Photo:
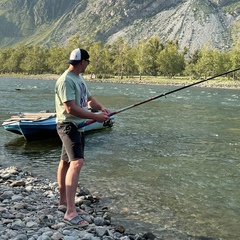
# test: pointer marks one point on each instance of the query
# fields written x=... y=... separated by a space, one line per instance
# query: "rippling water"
x=170 y=166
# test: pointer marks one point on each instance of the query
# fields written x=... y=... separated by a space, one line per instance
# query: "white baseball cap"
x=78 y=55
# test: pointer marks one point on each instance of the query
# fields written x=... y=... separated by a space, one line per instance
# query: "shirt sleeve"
x=66 y=91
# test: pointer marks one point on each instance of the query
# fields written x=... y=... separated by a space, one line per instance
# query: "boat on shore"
x=42 y=125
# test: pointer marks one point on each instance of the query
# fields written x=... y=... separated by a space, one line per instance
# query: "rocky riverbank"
x=29 y=211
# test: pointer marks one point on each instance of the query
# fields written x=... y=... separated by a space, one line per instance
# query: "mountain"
x=192 y=22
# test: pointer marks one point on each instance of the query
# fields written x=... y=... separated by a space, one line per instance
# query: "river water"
x=170 y=166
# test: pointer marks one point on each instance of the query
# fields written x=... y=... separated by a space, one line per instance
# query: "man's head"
x=78 y=55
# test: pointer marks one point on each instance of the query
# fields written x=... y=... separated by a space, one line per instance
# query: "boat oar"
x=161 y=95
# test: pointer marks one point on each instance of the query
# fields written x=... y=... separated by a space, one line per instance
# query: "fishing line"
x=159 y=96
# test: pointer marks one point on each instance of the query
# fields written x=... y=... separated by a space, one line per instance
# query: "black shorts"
x=73 y=141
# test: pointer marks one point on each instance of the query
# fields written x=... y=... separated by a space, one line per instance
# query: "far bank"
x=218 y=82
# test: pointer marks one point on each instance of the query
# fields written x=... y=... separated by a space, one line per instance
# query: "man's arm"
x=95 y=105
x=72 y=109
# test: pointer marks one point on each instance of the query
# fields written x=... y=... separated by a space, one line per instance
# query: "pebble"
x=29 y=211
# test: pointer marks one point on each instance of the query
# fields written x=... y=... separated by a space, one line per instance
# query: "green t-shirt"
x=68 y=87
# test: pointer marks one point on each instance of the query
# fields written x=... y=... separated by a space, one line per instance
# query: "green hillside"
x=48 y=22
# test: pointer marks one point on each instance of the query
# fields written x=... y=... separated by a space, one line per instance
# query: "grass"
x=219 y=82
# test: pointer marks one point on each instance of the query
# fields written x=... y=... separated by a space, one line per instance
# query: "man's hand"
x=105 y=111
x=101 y=117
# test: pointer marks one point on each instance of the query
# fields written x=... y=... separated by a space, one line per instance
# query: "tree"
x=170 y=61
x=97 y=58
x=4 y=58
x=153 y=48
x=16 y=58
x=234 y=57
x=130 y=66
x=107 y=67
x=35 y=60
x=57 y=59
x=210 y=63
x=120 y=56
x=190 y=65
x=140 y=58
x=74 y=42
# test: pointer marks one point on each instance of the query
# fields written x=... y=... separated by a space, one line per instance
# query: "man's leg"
x=69 y=169
x=71 y=184
x=61 y=178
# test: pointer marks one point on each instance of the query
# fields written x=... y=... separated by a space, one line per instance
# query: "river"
x=169 y=166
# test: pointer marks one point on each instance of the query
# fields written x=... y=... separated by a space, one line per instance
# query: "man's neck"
x=74 y=70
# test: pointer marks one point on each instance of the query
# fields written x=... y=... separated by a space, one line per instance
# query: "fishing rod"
x=159 y=96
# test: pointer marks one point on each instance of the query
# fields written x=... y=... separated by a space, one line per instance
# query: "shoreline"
x=213 y=83
x=29 y=210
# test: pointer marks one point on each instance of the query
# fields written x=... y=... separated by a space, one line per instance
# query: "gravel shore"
x=29 y=211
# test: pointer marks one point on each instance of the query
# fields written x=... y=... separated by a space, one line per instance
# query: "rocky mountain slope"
x=192 y=22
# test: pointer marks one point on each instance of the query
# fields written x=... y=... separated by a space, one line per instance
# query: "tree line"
x=148 y=57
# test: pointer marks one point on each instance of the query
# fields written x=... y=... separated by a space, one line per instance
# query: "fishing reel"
x=108 y=123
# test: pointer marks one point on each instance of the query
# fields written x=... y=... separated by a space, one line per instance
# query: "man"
x=72 y=99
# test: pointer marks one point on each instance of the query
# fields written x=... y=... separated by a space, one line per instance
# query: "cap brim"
x=73 y=61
